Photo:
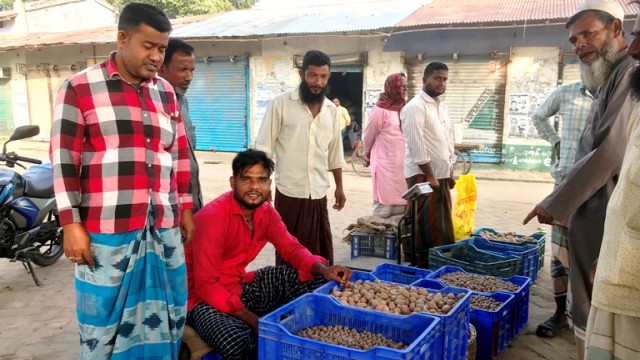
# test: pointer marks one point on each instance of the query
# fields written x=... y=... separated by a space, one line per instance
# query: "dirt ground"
x=39 y=322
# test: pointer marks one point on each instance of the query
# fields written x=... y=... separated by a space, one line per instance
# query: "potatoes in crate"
x=394 y=298
x=344 y=336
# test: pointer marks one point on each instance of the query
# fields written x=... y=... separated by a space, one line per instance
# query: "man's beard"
x=309 y=97
x=248 y=205
x=596 y=74
x=635 y=83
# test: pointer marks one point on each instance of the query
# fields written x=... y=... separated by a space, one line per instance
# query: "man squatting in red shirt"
x=225 y=301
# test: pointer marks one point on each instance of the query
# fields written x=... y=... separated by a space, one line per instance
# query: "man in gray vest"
x=177 y=69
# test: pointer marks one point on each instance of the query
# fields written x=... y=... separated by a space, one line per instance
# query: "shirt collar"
x=428 y=98
x=112 y=70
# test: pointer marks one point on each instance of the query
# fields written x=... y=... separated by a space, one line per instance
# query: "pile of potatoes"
x=344 y=336
x=506 y=237
x=484 y=303
x=394 y=298
x=475 y=282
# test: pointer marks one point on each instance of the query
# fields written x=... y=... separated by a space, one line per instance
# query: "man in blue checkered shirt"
x=572 y=103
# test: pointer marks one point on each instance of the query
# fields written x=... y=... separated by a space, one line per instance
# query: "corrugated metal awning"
x=475 y=12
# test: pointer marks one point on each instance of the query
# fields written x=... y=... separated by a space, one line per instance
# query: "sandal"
x=552 y=326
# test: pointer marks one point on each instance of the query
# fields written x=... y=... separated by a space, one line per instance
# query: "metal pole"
x=414 y=228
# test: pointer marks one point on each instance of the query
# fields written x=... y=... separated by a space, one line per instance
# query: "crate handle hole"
x=285 y=316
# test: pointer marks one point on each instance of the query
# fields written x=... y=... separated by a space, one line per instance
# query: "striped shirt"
x=428 y=136
x=116 y=148
x=573 y=103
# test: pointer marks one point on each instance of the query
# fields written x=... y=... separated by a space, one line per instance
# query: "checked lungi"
x=232 y=338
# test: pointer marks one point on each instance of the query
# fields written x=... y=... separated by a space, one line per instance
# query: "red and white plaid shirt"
x=116 y=149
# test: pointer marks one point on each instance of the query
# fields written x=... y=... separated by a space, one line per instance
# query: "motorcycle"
x=30 y=229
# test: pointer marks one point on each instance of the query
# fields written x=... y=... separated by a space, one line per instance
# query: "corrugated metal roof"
x=102 y=35
x=360 y=16
x=448 y=12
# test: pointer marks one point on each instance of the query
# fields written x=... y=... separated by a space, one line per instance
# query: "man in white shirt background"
x=302 y=127
x=429 y=157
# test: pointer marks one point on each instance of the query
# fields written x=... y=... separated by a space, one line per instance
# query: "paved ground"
x=39 y=322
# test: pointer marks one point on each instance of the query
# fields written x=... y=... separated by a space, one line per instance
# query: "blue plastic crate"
x=399 y=274
x=211 y=356
x=454 y=324
x=520 y=310
x=373 y=245
x=277 y=331
x=528 y=254
x=540 y=240
x=473 y=260
x=493 y=328
x=355 y=276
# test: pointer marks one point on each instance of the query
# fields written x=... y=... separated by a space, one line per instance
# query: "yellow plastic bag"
x=464 y=208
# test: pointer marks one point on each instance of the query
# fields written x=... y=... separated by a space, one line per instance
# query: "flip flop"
x=552 y=326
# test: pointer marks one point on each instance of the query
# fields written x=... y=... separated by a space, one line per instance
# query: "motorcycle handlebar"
x=13 y=157
x=26 y=159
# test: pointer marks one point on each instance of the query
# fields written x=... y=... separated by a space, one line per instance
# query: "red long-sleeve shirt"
x=223 y=246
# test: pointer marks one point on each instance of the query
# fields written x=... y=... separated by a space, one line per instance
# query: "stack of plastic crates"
x=471 y=259
x=528 y=254
x=520 y=310
x=539 y=240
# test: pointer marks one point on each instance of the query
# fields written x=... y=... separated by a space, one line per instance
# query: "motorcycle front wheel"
x=51 y=250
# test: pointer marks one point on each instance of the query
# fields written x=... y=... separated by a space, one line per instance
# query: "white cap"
x=611 y=7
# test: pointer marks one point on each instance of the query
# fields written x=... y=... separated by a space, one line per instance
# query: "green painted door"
x=6 y=109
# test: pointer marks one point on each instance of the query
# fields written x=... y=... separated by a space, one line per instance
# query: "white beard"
x=596 y=74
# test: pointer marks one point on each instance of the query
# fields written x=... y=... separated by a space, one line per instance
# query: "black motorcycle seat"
x=38 y=181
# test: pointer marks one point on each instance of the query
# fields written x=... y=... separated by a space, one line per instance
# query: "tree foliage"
x=181 y=8
x=6 y=5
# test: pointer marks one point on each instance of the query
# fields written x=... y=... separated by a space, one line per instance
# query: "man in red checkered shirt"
x=121 y=176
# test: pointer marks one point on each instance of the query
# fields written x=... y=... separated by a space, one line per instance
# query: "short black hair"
x=251 y=157
x=433 y=67
x=176 y=44
x=605 y=18
x=135 y=14
x=315 y=58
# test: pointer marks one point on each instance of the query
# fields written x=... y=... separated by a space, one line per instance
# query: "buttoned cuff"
x=69 y=216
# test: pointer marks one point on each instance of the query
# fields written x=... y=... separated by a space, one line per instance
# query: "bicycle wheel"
x=460 y=167
x=358 y=166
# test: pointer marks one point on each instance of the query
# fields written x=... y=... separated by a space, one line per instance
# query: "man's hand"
x=337 y=273
x=433 y=182
x=249 y=318
x=556 y=151
x=187 y=227
x=452 y=182
x=77 y=245
x=341 y=199
x=543 y=216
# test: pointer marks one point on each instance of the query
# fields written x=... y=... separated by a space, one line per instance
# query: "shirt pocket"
x=167 y=126
x=324 y=134
x=627 y=266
